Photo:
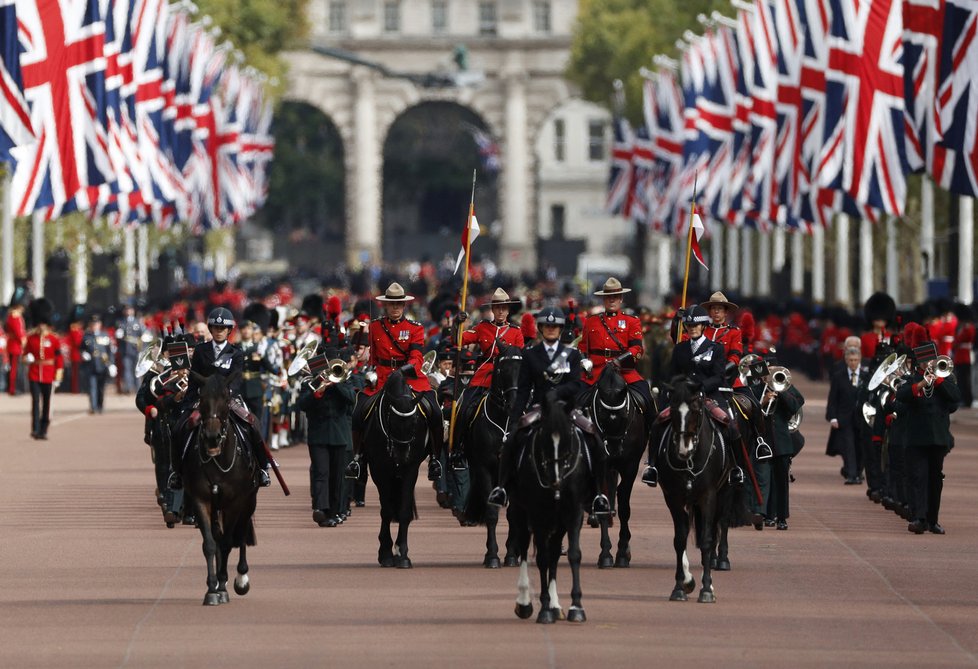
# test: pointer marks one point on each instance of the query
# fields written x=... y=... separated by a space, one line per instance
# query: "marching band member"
x=396 y=342
x=783 y=406
x=98 y=355
x=42 y=352
x=487 y=334
x=929 y=400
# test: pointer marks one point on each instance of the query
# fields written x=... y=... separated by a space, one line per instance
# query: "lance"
x=458 y=342
x=689 y=252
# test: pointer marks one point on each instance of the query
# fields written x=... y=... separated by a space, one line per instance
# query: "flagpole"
x=689 y=252
x=458 y=343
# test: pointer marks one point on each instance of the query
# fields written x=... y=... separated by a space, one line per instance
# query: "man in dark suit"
x=842 y=413
x=219 y=356
x=548 y=367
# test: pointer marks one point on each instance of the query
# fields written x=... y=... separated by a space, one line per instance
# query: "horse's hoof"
x=386 y=560
x=404 y=563
x=678 y=595
x=171 y=525
x=723 y=565
x=576 y=615
x=524 y=611
x=224 y=597
x=511 y=561
x=212 y=599
x=623 y=561
x=605 y=562
x=546 y=617
x=559 y=614
x=491 y=562
x=707 y=597
x=241 y=585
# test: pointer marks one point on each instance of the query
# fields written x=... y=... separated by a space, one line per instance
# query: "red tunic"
x=870 y=340
x=16 y=333
x=46 y=350
x=387 y=355
x=731 y=337
x=949 y=326
x=598 y=345
x=963 y=343
x=76 y=333
x=485 y=334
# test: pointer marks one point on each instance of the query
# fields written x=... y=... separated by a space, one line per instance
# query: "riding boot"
x=498 y=496
x=436 y=432
x=353 y=467
x=600 y=506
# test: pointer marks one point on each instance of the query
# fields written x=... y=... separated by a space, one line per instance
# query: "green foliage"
x=614 y=38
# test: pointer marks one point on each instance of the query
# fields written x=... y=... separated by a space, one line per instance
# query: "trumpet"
x=942 y=367
x=777 y=380
x=337 y=372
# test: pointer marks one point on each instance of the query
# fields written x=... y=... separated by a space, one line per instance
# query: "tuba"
x=429 y=362
x=149 y=358
x=778 y=379
x=301 y=359
x=795 y=421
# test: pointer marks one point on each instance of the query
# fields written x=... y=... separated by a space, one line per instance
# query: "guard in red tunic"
x=396 y=343
x=43 y=355
x=16 y=337
x=880 y=312
x=614 y=337
x=962 y=352
x=486 y=334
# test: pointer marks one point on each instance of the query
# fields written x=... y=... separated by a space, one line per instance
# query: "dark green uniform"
x=329 y=416
x=786 y=405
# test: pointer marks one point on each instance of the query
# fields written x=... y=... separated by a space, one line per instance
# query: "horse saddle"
x=577 y=417
x=716 y=412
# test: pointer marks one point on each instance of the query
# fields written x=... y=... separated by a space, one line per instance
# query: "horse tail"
x=250 y=537
x=475 y=505
x=734 y=505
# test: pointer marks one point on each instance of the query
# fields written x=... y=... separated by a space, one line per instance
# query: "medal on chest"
x=403 y=335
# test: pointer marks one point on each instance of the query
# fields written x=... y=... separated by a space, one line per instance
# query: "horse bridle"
x=220 y=439
x=498 y=396
x=689 y=467
x=578 y=442
x=626 y=404
x=392 y=440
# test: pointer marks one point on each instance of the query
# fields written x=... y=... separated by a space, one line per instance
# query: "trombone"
x=336 y=372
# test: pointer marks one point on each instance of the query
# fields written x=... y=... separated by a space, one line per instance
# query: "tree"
x=614 y=38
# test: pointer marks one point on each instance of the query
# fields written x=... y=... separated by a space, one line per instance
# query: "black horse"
x=484 y=436
x=694 y=464
x=620 y=421
x=552 y=486
x=394 y=439
x=218 y=474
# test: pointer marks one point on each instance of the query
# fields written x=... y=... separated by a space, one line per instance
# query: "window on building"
x=337 y=16
x=556 y=221
x=487 y=18
x=541 y=16
x=439 y=16
x=596 y=140
x=560 y=140
x=392 y=16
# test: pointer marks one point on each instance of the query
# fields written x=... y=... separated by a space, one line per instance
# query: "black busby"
x=880 y=307
x=40 y=310
x=257 y=313
x=312 y=306
x=77 y=314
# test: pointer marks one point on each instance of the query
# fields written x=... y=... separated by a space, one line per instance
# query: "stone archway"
x=428 y=157
x=306 y=206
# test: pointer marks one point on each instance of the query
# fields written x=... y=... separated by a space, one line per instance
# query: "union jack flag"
x=620 y=177
x=741 y=149
x=662 y=104
x=716 y=113
x=790 y=109
x=63 y=69
x=696 y=144
x=761 y=185
x=15 y=119
x=956 y=117
x=864 y=103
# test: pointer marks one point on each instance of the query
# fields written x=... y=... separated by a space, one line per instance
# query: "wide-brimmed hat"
x=612 y=287
x=719 y=299
x=394 y=293
x=501 y=298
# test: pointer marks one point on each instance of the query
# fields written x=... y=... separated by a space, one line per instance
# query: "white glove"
x=29 y=358
x=834 y=423
x=113 y=370
x=86 y=355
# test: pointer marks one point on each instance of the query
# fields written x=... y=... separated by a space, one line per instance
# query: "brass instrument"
x=743 y=367
x=942 y=367
x=430 y=358
x=301 y=359
x=337 y=372
x=149 y=358
x=795 y=421
x=778 y=380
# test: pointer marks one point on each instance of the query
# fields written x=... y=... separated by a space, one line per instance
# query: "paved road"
x=90 y=577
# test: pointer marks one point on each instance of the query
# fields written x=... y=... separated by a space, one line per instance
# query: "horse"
x=395 y=439
x=618 y=417
x=694 y=465
x=485 y=433
x=218 y=473
x=552 y=486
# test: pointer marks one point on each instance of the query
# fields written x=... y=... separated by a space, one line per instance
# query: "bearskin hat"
x=879 y=307
x=312 y=305
x=257 y=313
x=334 y=306
x=528 y=326
x=747 y=325
x=40 y=310
x=273 y=319
x=964 y=313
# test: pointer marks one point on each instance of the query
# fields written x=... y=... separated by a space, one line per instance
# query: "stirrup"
x=497 y=497
x=353 y=469
x=174 y=482
x=434 y=469
x=650 y=476
x=600 y=506
x=263 y=479
x=763 y=451
x=736 y=476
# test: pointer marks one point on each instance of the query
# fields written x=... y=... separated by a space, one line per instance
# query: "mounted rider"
x=702 y=360
x=549 y=367
x=396 y=343
x=720 y=331
x=219 y=356
x=612 y=337
x=488 y=333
